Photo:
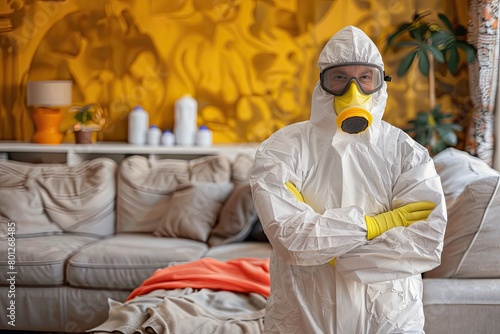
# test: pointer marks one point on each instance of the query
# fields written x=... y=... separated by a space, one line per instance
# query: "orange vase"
x=47 y=121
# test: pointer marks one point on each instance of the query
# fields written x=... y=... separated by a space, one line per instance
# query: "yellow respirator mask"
x=353 y=110
x=353 y=84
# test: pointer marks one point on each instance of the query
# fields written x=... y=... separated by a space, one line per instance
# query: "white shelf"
x=75 y=153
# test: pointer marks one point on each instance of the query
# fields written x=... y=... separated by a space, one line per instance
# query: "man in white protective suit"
x=352 y=206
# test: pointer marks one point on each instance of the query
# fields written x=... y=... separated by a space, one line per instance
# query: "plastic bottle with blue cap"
x=154 y=136
x=138 y=122
x=168 y=138
x=204 y=137
x=186 y=111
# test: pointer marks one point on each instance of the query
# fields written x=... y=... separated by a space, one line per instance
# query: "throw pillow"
x=192 y=210
x=236 y=218
x=471 y=187
x=145 y=187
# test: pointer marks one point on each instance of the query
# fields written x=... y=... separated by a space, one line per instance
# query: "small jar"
x=168 y=138
x=154 y=136
x=204 y=137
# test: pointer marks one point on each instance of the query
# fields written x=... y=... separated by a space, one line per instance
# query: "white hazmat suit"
x=374 y=286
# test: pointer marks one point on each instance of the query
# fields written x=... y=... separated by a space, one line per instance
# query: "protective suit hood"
x=348 y=45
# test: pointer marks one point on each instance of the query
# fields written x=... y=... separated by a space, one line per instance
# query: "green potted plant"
x=431 y=42
x=89 y=118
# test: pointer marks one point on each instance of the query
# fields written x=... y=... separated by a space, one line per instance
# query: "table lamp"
x=47 y=97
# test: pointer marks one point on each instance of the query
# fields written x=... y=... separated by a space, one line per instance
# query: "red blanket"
x=239 y=275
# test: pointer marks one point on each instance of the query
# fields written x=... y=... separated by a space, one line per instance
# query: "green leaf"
x=447 y=135
x=423 y=62
x=442 y=117
x=470 y=50
x=453 y=61
x=438 y=55
x=421 y=138
x=402 y=28
x=436 y=110
x=419 y=32
x=83 y=114
x=416 y=17
x=406 y=63
x=408 y=43
x=451 y=126
x=422 y=118
x=430 y=136
x=419 y=16
x=441 y=39
x=446 y=21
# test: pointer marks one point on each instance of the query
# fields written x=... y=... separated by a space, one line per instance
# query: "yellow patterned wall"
x=251 y=64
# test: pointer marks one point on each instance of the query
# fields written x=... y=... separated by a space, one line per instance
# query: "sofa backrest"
x=56 y=198
x=206 y=199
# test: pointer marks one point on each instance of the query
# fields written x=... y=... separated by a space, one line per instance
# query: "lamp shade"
x=49 y=93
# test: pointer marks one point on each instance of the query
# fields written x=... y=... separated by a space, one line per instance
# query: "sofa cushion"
x=81 y=198
x=461 y=305
x=241 y=168
x=41 y=260
x=50 y=198
x=124 y=260
x=145 y=187
x=215 y=169
x=471 y=242
x=192 y=211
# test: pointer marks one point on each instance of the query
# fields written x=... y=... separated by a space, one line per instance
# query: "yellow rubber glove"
x=402 y=216
x=290 y=186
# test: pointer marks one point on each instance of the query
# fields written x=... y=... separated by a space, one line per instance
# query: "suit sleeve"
x=298 y=234
x=402 y=252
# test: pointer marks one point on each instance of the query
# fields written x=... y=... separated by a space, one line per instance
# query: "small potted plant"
x=89 y=118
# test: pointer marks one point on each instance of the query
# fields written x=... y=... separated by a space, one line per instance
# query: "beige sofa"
x=85 y=233
x=96 y=230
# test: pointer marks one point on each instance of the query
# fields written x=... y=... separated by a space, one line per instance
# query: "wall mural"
x=251 y=65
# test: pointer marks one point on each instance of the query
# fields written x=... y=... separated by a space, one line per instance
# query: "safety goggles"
x=368 y=77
